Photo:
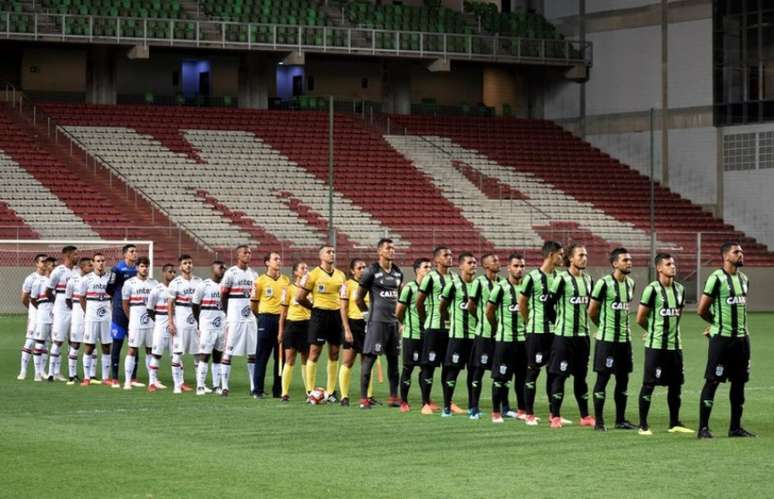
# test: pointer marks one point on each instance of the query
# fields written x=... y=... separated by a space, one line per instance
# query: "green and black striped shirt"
x=615 y=300
x=536 y=287
x=571 y=295
x=432 y=286
x=665 y=306
x=505 y=297
x=412 y=329
x=457 y=293
x=482 y=289
x=729 y=303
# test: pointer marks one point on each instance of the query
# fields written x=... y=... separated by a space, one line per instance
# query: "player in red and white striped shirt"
x=73 y=302
x=209 y=314
x=60 y=330
x=26 y=295
x=158 y=312
x=134 y=298
x=182 y=323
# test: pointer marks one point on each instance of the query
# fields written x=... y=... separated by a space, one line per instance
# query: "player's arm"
x=225 y=290
x=114 y=280
x=447 y=295
x=25 y=299
x=82 y=299
x=302 y=296
x=69 y=294
x=52 y=286
x=171 y=328
x=424 y=288
x=704 y=310
x=150 y=305
x=196 y=301
x=34 y=297
x=403 y=302
x=523 y=299
x=473 y=299
x=642 y=315
x=595 y=303
x=343 y=306
x=491 y=307
x=647 y=303
x=366 y=281
x=126 y=294
x=284 y=307
x=255 y=300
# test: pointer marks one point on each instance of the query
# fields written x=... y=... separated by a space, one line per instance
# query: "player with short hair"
x=134 y=301
x=236 y=289
x=266 y=306
x=293 y=330
x=26 y=294
x=44 y=318
x=158 y=312
x=406 y=312
x=483 y=343
x=95 y=302
x=121 y=272
x=208 y=311
x=73 y=302
x=436 y=331
x=661 y=307
x=354 y=327
x=571 y=346
x=457 y=295
x=536 y=309
x=724 y=306
x=60 y=328
x=381 y=281
x=609 y=310
x=510 y=354
x=182 y=323
x=323 y=283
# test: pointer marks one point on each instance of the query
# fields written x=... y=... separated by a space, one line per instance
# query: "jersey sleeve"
x=476 y=290
x=150 y=304
x=69 y=289
x=528 y=284
x=308 y=281
x=227 y=282
x=285 y=297
x=448 y=291
x=556 y=287
x=344 y=291
x=405 y=295
x=712 y=286
x=368 y=278
x=126 y=292
x=84 y=286
x=599 y=291
x=257 y=289
x=56 y=275
x=171 y=291
x=495 y=295
x=198 y=295
x=648 y=298
x=426 y=284
x=27 y=285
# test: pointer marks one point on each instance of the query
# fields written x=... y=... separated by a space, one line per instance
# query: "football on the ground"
x=317 y=396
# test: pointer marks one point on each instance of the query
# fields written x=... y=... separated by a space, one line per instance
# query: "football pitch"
x=70 y=441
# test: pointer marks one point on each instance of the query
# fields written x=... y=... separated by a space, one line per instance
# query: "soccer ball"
x=317 y=396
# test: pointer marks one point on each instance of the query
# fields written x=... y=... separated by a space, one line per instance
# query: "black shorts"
x=570 y=356
x=520 y=358
x=295 y=336
x=412 y=352
x=504 y=360
x=357 y=326
x=663 y=367
x=325 y=326
x=458 y=352
x=538 y=349
x=434 y=343
x=382 y=338
x=483 y=352
x=728 y=359
x=613 y=357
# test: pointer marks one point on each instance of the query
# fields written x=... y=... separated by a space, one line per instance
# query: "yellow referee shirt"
x=324 y=287
x=349 y=293
x=268 y=293
x=296 y=312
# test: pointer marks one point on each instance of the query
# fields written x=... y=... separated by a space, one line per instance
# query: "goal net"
x=17 y=261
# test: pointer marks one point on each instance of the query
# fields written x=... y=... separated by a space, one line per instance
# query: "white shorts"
x=31 y=323
x=76 y=330
x=186 y=340
x=241 y=338
x=42 y=331
x=141 y=338
x=211 y=339
x=61 y=326
x=97 y=331
x=162 y=342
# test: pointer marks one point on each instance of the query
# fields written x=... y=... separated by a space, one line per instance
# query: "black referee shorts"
x=570 y=356
x=663 y=367
x=358 y=328
x=728 y=359
x=325 y=326
x=296 y=336
x=613 y=357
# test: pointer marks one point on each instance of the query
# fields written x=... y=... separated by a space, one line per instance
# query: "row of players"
x=512 y=327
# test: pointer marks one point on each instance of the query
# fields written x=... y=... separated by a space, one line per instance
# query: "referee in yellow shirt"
x=323 y=284
x=354 y=328
x=267 y=296
x=293 y=331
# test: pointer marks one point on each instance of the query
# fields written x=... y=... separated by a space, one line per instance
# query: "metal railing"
x=283 y=37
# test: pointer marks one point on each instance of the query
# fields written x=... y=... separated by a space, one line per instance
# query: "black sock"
x=392 y=374
x=520 y=378
x=496 y=395
x=426 y=383
x=646 y=393
x=599 y=397
x=505 y=404
x=581 y=389
x=365 y=376
x=115 y=356
x=449 y=382
x=557 y=394
x=674 y=402
x=478 y=379
x=405 y=382
x=736 y=397
x=469 y=382
x=706 y=400
x=549 y=386
x=621 y=385
x=530 y=385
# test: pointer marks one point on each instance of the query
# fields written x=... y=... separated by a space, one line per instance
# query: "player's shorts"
x=162 y=341
x=296 y=336
x=663 y=367
x=76 y=330
x=613 y=357
x=434 y=346
x=31 y=323
x=211 y=339
x=241 y=338
x=728 y=359
x=186 y=340
x=458 y=352
x=358 y=327
x=382 y=338
x=412 y=352
x=42 y=331
x=139 y=338
x=325 y=326
x=97 y=332
x=60 y=329
x=482 y=353
x=117 y=331
x=520 y=357
x=504 y=360
x=570 y=356
x=538 y=349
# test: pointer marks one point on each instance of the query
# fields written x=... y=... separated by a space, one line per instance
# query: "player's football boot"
x=404 y=407
x=497 y=417
x=740 y=432
x=588 y=421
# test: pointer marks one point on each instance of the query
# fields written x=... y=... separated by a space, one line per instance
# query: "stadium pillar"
x=664 y=93
x=101 y=75
x=582 y=93
x=257 y=73
x=397 y=88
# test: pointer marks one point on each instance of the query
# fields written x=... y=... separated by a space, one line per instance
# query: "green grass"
x=68 y=441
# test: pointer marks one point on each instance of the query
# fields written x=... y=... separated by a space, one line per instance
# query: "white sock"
x=129 y=363
x=148 y=362
x=38 y=360
x=53 y=360
x=225 y=373
x=153 y=371
x=215 y=375
x=44 y=358
x=93 y=371
x=88 y=366
x=105 y=366
x=26 y=353
x=201 y=374
x=250 y=372
x=72 y=363
x=177 y=370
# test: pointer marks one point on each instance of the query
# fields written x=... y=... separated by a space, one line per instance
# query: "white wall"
x=690 y=63
x=693 y=164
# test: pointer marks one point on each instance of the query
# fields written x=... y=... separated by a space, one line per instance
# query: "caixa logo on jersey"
x=617 y=305
x=246 y=311
x=144 y=319
x=543 y=298
x=736 y=300
x=101 y=312
x=513 y=308
x=389 y=293
x=464 y=305
x=670 y=312
x=579 y=300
